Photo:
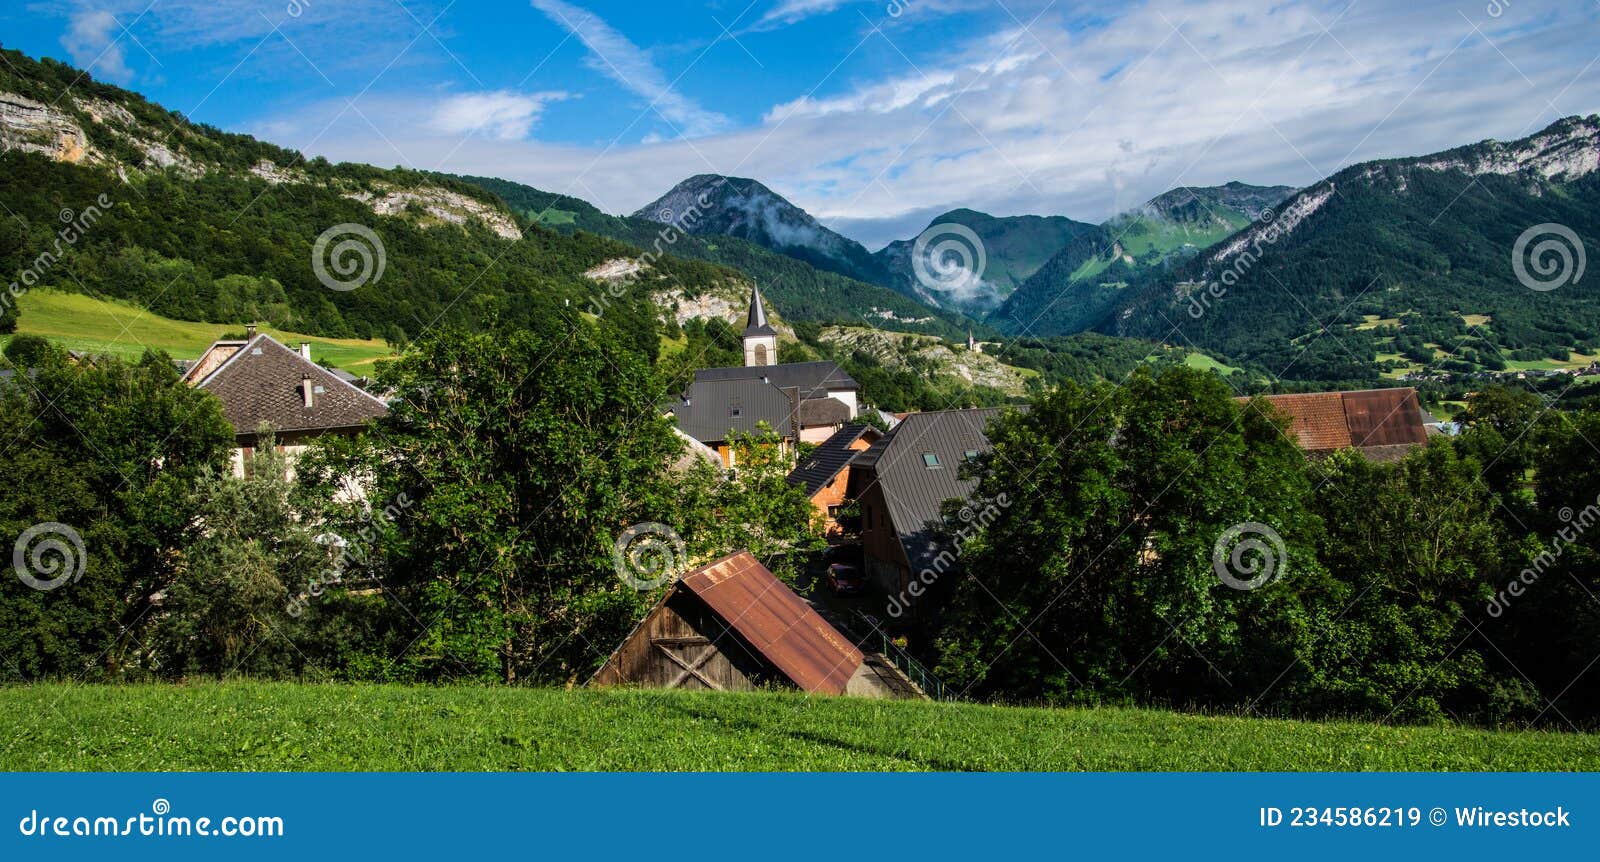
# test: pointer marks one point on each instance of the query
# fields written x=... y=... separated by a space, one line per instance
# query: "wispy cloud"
x=500 y=115
x=614 y=55
x=1068 y=117
x=92 y=42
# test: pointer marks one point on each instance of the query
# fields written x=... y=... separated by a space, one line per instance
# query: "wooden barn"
x=732 y=625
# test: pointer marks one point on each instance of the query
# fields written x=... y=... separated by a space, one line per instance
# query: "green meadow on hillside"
x=288 y=726
x=79 y=322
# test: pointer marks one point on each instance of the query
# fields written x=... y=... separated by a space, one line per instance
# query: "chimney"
x=305 y=390
x=305 y=350
x=249 y=331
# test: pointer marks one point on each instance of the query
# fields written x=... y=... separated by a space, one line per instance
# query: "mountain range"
x=1386 y=268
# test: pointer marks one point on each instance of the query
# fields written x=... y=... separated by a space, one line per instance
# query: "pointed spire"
x=756 y=321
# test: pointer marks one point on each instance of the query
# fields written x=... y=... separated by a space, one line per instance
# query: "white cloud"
x=501 y=115
x=1085 y=122
x=613 y=55
x=790 y=11
x=92 y=41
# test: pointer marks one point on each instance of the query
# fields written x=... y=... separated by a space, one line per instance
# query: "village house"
x=264 y=384
x=825 y=474
x=731 y=625
x=901 y=482
x=1383 y=424
x=828 y=397
x=801 y=402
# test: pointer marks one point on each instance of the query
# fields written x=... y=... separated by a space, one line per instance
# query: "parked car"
x=845 y=579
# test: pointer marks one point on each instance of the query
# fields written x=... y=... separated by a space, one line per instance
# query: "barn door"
x=686 y=659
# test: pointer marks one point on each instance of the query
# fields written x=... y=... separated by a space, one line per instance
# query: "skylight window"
x=931 y=460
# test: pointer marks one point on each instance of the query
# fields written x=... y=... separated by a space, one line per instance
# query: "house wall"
x=831 y=494
x=882 y=552
x=684 y=626
x=835 y=493
x=848 y=396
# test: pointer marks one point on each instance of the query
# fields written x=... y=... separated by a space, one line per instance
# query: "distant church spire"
x=760 y=339
x=756 y=320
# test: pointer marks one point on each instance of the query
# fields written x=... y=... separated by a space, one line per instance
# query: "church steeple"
x=760 y=339
x=756 y=320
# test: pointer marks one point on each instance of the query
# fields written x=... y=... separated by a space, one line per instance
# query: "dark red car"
x=845 y=579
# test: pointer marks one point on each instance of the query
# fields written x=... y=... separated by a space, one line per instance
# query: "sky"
x=875 y=116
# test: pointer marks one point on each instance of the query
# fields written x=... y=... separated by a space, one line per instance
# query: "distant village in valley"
x=876 y=480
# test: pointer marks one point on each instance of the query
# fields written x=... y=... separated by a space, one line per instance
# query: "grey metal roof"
x=828 y=459
x=756 y=321
x=914 y=491
x=716 y=407
x=813 y=379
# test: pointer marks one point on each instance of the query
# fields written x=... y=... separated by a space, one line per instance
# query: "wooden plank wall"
x=682 y=644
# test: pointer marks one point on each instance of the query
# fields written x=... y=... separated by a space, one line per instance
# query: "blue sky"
x=875 y=116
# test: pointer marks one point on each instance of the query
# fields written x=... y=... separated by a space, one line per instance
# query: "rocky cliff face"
x=67 y=131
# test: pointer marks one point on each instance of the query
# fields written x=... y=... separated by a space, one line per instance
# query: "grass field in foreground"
x=79 y=322
x=287 y=726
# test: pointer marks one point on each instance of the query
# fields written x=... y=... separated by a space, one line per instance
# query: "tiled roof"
x=1325 y=421
x=823 y=411
x=831 y=456
x=261 y=383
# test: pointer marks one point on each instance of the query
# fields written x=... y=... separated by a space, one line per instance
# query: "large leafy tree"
x=753 y=508
x=111 y=451
x=1416 y=551
x=521 y=456
x=1096 y=575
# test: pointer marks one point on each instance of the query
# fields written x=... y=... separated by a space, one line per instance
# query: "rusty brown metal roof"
x=782 y=627
x=1324 y=421
x=1384 y=417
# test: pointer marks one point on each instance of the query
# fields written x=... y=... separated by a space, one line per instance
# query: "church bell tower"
x=760 y=339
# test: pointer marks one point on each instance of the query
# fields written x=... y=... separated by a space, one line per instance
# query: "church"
x=803 y=402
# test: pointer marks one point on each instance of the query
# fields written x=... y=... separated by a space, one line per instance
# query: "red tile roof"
x=1325 y=421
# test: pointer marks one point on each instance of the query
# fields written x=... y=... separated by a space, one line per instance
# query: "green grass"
x=287 y=726
x=1206 y=363
x=80 y=322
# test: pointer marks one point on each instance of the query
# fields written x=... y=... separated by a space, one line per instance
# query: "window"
x=735 y=412
x=931 y=460
x=969 y=455
x=761 y=354
x=833 y=512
